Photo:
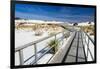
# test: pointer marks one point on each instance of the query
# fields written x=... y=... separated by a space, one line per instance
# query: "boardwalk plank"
x=77 y=53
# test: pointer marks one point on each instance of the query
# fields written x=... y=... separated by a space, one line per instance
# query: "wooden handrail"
x=89 y=38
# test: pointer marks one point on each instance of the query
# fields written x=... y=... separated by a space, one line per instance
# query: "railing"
x=34 y=44
x=89 y=46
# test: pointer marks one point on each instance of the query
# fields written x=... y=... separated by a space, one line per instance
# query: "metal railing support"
x=35 y=50
x=21 y=57
x=87 y=41
x=87 y=48
x=55 y=37
x=63 y=38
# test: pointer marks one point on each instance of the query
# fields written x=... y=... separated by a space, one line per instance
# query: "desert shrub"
x=38 y=33
x=34 y=28
x=66 y=34
x=54 y=43
x=92 y=33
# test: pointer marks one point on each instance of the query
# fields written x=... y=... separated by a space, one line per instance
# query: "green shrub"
x=54 y=43
x=38 y=33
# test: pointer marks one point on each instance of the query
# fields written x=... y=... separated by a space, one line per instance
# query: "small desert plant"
x=92 y=33
x=34 y=28
x=66 y=35
x=38 y=33
x=54 y=43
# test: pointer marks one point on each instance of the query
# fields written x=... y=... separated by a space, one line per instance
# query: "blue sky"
x=56 y=13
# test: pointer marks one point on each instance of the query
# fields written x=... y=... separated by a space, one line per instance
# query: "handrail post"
x=87 y=47
x=63 y=38
x=55 y=37
x=35 y=50
x=83 y=38
x=21 y=57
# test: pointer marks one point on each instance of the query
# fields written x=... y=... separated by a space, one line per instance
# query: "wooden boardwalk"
x=76 y=52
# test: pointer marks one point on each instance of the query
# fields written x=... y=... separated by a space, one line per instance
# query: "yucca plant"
x=54 y=43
